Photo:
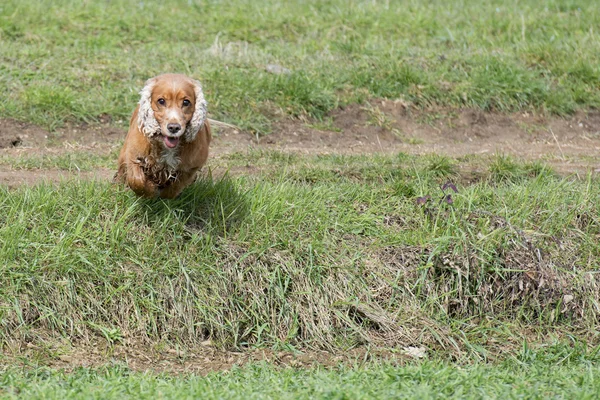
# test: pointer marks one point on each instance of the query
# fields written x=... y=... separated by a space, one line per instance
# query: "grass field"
x=71 y=60
x=487 y=263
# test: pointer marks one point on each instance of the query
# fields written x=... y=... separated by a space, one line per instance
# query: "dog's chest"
x=169 y=159
x=161 y=167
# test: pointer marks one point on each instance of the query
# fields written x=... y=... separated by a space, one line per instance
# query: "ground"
x=569 y=144
x=199 y=360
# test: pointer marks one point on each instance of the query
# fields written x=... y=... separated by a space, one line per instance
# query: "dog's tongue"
x=170 y=142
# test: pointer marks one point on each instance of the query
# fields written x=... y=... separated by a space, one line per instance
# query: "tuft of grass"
x=378 y=117
x=505 y=168
x=440 y=166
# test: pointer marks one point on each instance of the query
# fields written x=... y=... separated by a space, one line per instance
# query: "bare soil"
x=201 y=360
x=569 y=145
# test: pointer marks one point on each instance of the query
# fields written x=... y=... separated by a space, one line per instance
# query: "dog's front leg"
x=172 y=191
x=139 y=183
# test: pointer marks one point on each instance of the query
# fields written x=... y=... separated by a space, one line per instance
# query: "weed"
x=378 y=118
x=440 y=166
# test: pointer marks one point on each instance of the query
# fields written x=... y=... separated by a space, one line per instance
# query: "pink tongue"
x=170 y=141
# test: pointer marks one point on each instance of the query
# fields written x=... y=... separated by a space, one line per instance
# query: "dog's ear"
x=199 y=116
x=147 y=123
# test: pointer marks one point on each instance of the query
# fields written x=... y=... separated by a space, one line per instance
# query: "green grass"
x=68 y=60
x=328 y=252
x=60 y=159
x=575 y=378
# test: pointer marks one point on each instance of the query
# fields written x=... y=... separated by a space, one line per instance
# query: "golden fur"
x=168 y=138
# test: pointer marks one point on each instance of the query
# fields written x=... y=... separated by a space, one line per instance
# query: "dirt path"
x=200 y=360
x=570 y=145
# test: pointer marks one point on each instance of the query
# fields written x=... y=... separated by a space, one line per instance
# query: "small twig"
x=224 y=124
x=558 y=144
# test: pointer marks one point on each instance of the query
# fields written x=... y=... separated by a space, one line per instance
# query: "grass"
x=77 y=160
x=522 y=377
x=503 y=56
x=328 y=252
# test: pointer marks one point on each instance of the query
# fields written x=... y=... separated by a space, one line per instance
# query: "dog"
x=168 y=138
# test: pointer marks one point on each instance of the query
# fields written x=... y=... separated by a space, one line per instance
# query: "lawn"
x=71 y=60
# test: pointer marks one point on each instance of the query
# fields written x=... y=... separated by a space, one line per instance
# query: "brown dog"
x=168 y=138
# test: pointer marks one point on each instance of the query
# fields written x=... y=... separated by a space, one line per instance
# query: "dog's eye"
x=186 y=103
x=162 y=102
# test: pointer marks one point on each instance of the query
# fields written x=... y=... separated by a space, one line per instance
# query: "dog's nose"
x=174 y=128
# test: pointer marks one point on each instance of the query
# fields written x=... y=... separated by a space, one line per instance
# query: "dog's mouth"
x=171 y=142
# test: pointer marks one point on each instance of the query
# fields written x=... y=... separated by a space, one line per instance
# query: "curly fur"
x=199 y=117
x=146 y=121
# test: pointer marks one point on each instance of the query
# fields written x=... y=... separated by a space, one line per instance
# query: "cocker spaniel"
x=168 y=138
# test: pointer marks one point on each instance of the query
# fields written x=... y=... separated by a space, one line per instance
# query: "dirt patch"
x=19 y=134
x=22 y=135
x=200 y=360
x=570 y=145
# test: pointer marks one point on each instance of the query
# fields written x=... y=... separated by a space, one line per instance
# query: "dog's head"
x=172 y=107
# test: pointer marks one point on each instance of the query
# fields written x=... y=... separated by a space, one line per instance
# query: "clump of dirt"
x=18 y=134
x=7 y=142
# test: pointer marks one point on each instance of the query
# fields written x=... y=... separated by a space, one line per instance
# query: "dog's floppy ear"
x=199 y=116
x=147 y=123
